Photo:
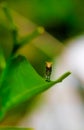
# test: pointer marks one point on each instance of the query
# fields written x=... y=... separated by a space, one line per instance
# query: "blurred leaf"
x=21 y=82
x=2 y=60
x=13 y=27
x=8 y=15
x=63 y=19
x=14 y=128
x=14 y=30
x=45 y=11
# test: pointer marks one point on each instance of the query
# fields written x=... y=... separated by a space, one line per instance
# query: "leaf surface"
x=21 y=82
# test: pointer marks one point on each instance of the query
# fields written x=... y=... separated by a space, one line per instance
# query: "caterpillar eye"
x=48 y=71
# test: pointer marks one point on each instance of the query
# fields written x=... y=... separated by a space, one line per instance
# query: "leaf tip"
x=62 y=77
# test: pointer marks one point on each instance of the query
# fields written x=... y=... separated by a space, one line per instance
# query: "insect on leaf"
x=21 y=82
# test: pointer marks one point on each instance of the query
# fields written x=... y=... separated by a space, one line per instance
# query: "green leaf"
x=21 y=82
x=2 y=61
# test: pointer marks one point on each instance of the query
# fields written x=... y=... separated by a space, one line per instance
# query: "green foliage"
x=24 y=40
x=2 y=60
x=13 y=128
x=19 y=81
x=45 y=11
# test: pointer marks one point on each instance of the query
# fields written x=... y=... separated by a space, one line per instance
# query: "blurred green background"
x=61 y=18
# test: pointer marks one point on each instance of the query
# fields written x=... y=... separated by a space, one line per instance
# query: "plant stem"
x=13 y=27
x=33 y=35
x=27 y=39
x=2 y=61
